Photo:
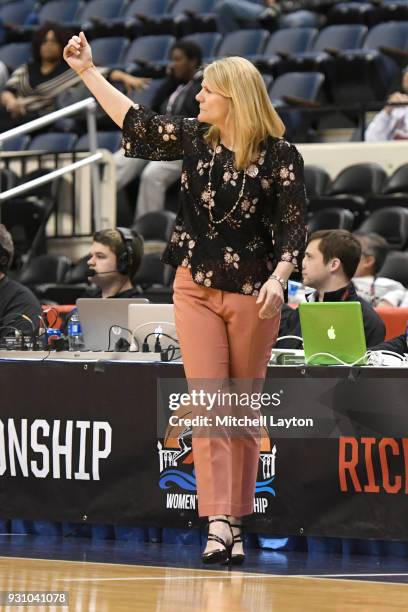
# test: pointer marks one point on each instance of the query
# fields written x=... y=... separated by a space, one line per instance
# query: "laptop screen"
x=333 y=333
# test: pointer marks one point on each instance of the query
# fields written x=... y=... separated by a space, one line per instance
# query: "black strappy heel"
x=220 y=555
x=237 y=558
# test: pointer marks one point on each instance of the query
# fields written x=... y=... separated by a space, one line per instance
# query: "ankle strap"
x=218 y=521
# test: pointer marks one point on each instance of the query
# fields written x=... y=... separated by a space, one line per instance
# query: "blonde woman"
x=236 y=240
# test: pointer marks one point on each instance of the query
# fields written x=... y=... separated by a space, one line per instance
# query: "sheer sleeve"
x=291 y=200
x=148 y=135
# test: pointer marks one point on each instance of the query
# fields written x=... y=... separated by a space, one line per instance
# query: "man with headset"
x=115 y=257
x=19 y=308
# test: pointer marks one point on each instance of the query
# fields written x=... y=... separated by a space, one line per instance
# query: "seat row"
x=352 y=59
x=171 y=15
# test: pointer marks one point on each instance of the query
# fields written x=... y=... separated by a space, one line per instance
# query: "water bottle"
x=75 y=338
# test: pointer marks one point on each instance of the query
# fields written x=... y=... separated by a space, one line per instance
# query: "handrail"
x=48 y=178
x=35 y=124
x=89 y=104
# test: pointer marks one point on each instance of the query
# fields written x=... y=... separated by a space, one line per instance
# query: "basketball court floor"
x=105 y=576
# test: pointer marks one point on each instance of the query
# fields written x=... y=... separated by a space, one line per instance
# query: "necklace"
x=209 y=191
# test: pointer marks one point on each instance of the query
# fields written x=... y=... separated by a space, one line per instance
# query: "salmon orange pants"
x=222 y=337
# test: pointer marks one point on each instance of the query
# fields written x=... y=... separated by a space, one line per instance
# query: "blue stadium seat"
x=65 y=12
x=352 y=12
x=392 y=10
x=131 y=24
x=328 y=44
x=283 y=44
x=183 y=17
x=300 y=19
x=109 y=50
x=370 y=72
x=97 y=15
x=17 y=13
x=207 y=41
x=302 y=85
x=149 y=51
x=17 y=143
x=106 y=140
x=301 y=89
x=55 y=142
x=15 y=54
x=246 y=43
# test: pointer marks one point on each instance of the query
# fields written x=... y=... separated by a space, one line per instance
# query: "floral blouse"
x=262 y=227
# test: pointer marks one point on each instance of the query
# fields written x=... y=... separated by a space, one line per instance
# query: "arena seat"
x=395 y=321
x=391 y=223
x=282 y=45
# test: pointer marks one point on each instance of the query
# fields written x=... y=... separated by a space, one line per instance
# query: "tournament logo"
x=177 y=475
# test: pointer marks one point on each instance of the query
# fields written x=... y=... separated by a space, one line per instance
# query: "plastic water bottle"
x=75 y=338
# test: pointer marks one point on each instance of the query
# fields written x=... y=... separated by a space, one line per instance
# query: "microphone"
x=92 y=272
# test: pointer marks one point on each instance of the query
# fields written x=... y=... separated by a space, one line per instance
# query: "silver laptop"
x=104 y=322
x=149 y=322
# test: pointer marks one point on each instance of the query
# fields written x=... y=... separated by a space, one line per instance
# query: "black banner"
x=79 y=442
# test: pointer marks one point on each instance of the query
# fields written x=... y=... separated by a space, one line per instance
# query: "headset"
x=126 y=257
x=5 y=259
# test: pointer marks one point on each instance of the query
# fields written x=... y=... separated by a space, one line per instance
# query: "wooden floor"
x=103 y=587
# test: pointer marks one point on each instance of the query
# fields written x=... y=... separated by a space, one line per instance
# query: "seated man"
x=368 y=284
x=176 y=96
x=330 y=261
x=392 y=122
x=15 y=299
x=115 y=258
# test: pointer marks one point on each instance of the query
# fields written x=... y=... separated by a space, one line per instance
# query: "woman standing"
x=236 y=241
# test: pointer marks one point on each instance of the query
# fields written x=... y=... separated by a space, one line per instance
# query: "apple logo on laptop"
x=331 y=333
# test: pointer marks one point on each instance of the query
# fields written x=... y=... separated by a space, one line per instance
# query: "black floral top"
x=263 y=226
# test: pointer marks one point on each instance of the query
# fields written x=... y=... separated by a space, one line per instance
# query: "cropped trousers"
x=222 y=338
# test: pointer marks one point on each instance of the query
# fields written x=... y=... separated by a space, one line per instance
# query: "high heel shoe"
x=219 y=555
x=236 y=558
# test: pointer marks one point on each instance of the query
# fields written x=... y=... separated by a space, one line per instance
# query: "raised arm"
x=78 y=56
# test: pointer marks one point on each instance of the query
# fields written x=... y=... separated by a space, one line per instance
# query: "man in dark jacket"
x=20 y=310
x=176 y=96
x=330 y=261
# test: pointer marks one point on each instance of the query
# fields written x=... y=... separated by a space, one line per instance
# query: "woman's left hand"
x=271 y=294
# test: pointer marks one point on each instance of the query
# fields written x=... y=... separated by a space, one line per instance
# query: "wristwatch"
x=283 y=283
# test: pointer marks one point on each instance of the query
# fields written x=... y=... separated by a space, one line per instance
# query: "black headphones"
x=126 y=257
x=5 y=259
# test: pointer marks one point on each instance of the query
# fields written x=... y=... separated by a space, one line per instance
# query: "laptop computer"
x=105 y=321
x=333 y=332
x=151 y=321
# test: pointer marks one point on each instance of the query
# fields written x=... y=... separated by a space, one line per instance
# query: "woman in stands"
x=34 y=88
x=237 y=238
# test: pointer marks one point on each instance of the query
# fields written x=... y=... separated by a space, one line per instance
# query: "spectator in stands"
x=19 y=308
x=392 y=122
x=177 y=97
x=330 y=262
x=34 y=88
x=114 y=260
x=368 y=284
x=232 y=15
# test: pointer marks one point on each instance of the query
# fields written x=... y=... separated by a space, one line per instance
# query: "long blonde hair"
x=251 y=116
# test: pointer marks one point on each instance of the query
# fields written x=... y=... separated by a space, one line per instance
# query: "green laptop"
x=333 y=332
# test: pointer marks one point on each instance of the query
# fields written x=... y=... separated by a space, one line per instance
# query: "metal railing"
x=89 y=104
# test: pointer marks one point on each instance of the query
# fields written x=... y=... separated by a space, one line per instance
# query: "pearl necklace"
x=209 y=190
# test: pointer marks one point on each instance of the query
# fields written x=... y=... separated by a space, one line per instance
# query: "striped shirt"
x=41 y=91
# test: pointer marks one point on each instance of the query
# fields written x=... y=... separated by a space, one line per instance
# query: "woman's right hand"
x=77 y=53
